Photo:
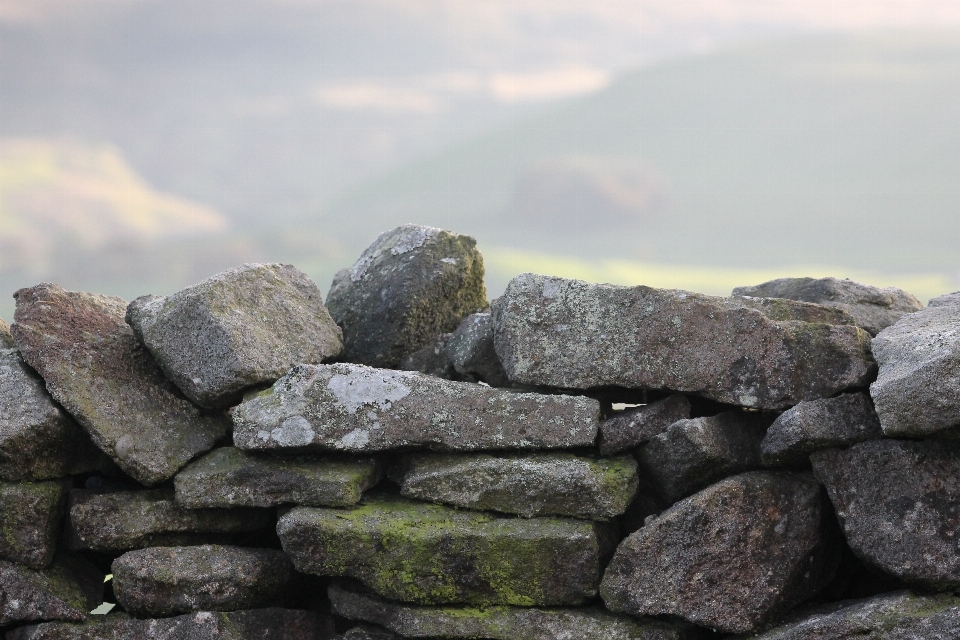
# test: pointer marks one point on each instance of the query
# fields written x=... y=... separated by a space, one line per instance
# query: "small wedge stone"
x=6 y=339
x=471 y=351
x=633 y=427
x=31 y=514
x=66 y=590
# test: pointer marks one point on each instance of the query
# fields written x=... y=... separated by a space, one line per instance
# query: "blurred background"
x=697 y=144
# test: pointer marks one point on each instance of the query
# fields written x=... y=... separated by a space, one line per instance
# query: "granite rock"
x=66 y=590
x=31 y=514
x=432 y=360
x=470 y=350
x=631 y=428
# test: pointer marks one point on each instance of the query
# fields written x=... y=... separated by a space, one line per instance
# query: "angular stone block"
x=31 y=515
x=633 y=427
x=470 y=349
x=66 y=590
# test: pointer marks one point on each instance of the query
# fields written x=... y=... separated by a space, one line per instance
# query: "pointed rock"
x=633 y=427
x=31 y=515
x=66 y=590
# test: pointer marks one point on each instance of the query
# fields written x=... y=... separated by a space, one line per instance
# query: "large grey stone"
x=356 y=408
x=430 y=554
x=917 y=391
x=535 y=484
x=470 y=350
x=873 y=308
x=899 y=502
x=66 y=590
x=819 y=424
x=6 y=339
x=410 y=285
x=125 y=520
x=241 y=328
x=31 y=515
x=733 y=557
x=631 y=428
x=755 y=352
x=165 y=581
x=229 y=477
x=95 y=367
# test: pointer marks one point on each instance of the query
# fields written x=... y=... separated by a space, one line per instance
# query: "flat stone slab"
x=241 y=328
x=631 y=428
x=351 y=407
x=897 y=501
x=430 y=554
x=535 y=484
x=31 y=514
x=165 y=581
x=732 y=557
x=123 y=520
x=754 y=352
x=228 y=477
x=66 y=590
x=97 y=370
x=470 y=349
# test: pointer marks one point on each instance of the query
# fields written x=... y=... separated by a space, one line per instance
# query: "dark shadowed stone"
x=432 y=360
x=694 y=453
x=535 y=484
x=229 y=477
x=819 y=424
x=755 y=352
x=873 y=308
x=410 y=285
x=30 y=517
x=431 y=554
x=95 y=367
x=367 y=632
x=356 y=408
x=633 y=427
x=917 y=391
x=165 y=581
x=899 y=504
x=6 y=340
x=136 y=519
x=733 y=557
x=471 y=351
x=66 y=590
x=241 y=328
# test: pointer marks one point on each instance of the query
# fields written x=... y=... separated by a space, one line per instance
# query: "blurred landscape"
x=147 y=144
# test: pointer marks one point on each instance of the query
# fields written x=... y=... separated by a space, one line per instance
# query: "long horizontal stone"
x=66 y=590
x=430 y=554
x=754 y=352
x=31 y=514
x=352 y=407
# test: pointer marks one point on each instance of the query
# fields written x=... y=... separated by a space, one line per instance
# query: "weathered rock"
x=165 y=581
x=30 y=517
x=536 y=484
x=471 y=351
x=410 y=285
x=755 y=352
x=366 y=632
x=66 y=590
x=95 y=367
x=6 y=340
x=501 y=622
x=917 y=391
x=229 y=477
x=819 y=424
x=732 y=557
x=633 y=427
x=432 y=360
x=431 y=554
x=135 y=519
x=241 y=328
x=356 y=408
x=898 y=502
x=697 y=452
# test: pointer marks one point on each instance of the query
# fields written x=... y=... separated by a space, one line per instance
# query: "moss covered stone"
x=30 y=517
x=66 y=590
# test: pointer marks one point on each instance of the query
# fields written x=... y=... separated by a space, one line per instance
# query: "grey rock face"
x=755 y=352
x=873 y=308
x=229 y=477
x=356 y=408
x=732 y=557
x=471 y=350
x=536 y=484
x=819 y=424
x=694 y=453
x=432 y=360
x=125 y=520
x=30 y=517
x=241 y=328
x=448 y=556
x=95 y=367
x=917 y=391
x=410 y=285
x=6 y=340
x=164 y=581
x=898 y=504
x=66 y=590
x=633 y=427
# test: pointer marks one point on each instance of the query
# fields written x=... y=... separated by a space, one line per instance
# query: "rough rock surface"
x=135 y=519
x=432 y=360
x=873 y=308
x=356 y=408
x=367 y=632
x=165 y=581
x=6 y=339
x=755 y=352
x=819 y=424
x=431 y=554
x=634 y=427
x=917 y=391
x=410 y=285
x=535 y=484
x=711 y=560
x=898 y=502
x=694 y=453
x=66 y=590
x=229 y=477
x=241 y=328
x=471 y=351
x=95 y=367
x=30 y=517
